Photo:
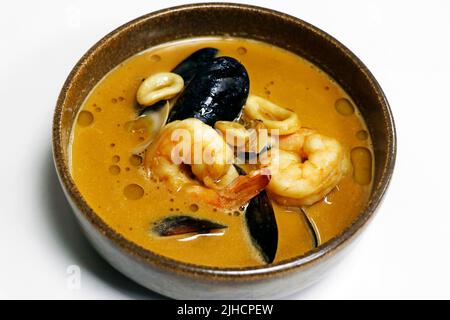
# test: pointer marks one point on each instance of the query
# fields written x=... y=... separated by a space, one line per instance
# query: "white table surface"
x=403 y=254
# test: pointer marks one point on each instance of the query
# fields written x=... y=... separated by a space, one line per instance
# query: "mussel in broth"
x=261 y=223
x=262 y=226
x=183 y=224
x=190 y=66
x=217 y=92
x=315 y=235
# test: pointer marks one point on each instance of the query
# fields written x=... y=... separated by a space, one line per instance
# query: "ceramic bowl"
x=181 y=280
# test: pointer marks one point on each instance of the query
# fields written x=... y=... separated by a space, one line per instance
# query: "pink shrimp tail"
x=244 y=188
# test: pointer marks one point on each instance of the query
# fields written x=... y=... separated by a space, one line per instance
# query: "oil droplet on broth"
x=194 y=207
x=362 y=165
x=115 y=159
x=155 y=58
x=344 y=107
x=133 y=191
x=241 y=50
x=362 y=135
x=135 y=160
x=114 y=170
x=85 y=118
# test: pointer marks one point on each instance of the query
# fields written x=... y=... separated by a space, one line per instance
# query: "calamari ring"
x=159 y=86
x=272 y=115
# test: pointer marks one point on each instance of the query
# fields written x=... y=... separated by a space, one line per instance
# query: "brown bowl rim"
x=254 y=272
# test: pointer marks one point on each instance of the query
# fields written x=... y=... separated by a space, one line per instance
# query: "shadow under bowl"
x=181 y=280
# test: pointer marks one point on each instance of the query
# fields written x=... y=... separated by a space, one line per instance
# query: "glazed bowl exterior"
x=181 y=280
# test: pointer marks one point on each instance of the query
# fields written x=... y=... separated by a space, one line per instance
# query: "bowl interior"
x=240 y=21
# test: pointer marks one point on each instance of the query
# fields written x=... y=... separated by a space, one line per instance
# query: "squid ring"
x=272 y=115
x=159 y=86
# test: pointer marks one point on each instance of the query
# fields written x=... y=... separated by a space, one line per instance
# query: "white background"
x=403 y=254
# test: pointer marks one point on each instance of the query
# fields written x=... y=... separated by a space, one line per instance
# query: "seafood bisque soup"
x=222 y=152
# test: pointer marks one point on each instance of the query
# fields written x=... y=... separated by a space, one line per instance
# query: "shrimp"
x=305 y=167
x=192 y=156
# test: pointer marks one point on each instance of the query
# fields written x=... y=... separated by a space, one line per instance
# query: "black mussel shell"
x=261 y=223
x=315 y=238
x=217 y=92
x=190 y=66
x=251 y=156
x=262 y=226
x=178 y=225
